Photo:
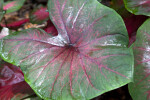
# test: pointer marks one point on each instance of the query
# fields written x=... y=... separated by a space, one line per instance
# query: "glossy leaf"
x=12 y=84
x=138 y=7
x=87 y=58
x=140 y=89
x=39 y=15
x=1 y=9
x=12 y=6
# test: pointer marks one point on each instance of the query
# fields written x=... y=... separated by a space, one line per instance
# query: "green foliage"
x=140 y=89
x=12 y=6
x=138 y=7
x=89 y=57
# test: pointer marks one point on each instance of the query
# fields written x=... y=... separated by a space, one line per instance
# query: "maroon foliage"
x=15 y=23
x=39 y=15
x=50 y=28
x=133 y=22
x=12 y=84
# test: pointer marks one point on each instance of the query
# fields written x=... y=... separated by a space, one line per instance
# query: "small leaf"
x=15 y=23
x=88 y=57
x=140 y=89
x=39 y=15
x=12 y=84
x=138 y=7
x=12 y=6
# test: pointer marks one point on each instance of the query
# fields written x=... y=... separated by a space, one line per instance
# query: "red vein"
x=61 y=17
x=89 y=27
x=84 y=69
x=70 y=72
x=143 y=79
x=29 y=40
x=35 y=53
x=144 y=61
x=16 y=46
x=53 y=59
x=59 y=72
x=141 y=48
x=63 y=6
x=91 y=60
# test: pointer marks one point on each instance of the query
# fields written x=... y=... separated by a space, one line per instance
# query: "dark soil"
x=121 y=93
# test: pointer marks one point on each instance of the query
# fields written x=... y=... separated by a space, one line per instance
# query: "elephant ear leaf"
x=140 y=89
x=88 y=57
x=138 y=7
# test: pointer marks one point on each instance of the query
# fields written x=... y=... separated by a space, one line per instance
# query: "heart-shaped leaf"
x=1 y=9
x=39 y=15
x=12 y=84
x=140 y=89
x=12 y=6
x=138 y=7
x=87 y=58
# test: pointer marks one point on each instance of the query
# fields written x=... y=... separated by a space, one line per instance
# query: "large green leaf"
x=87 y=58
x=140 y=89
x=1 y=9
x=138 y=7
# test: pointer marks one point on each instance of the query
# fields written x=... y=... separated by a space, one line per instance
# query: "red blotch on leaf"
x=9 y=5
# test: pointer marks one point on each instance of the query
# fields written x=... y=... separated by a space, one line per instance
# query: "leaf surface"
x=39 y=15
x=12 y=6
x=138 y=7
x=140 y=89
x=88 y=57
x=15 y=24
x=12 y=84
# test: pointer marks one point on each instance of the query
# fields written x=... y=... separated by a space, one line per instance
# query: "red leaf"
x=15 y=24
x=50 y=28
x=39 y=15
x=132 y=23
x=12 y=84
